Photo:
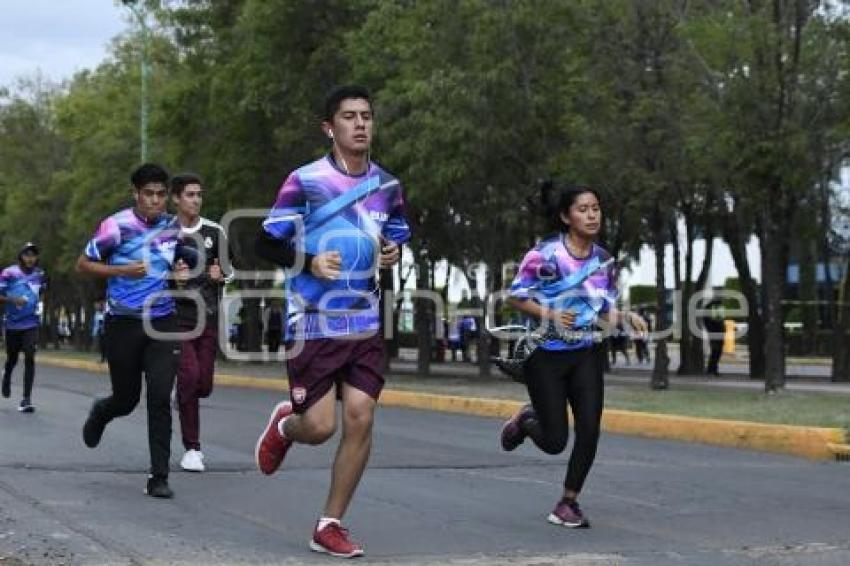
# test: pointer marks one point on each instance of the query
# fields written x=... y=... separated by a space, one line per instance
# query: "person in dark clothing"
x=619 y=343
x=21 y=287
x=137 y=250
x=641 y=341
x=715 y=327
x=274 y=326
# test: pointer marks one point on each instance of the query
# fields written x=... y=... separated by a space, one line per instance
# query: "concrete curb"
x=841 y=451
x=808 y=442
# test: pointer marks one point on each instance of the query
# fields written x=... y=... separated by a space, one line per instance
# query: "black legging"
x=18 y=341
x=555 y=378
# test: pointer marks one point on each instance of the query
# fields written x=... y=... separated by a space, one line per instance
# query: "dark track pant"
x=18 y=341
x=716 y=350
x=195 y=381
x=132 y=354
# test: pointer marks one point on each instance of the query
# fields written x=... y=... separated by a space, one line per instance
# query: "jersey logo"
x=379 y=216
x=167 y=249
x=208 y=243
x=299 y=394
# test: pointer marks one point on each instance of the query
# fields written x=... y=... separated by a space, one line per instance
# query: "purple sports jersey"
x=319 y=308
x=15 y=282
x=125 y=238
x=545 y=274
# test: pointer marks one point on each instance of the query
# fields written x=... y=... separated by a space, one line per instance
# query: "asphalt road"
x=439 y=490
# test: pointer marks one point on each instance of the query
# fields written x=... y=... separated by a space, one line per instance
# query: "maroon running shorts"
x=324 y=362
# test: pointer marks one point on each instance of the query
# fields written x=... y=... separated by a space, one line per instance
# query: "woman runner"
x=567 y=283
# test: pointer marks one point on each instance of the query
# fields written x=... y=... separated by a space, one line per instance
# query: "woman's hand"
x=563 y=319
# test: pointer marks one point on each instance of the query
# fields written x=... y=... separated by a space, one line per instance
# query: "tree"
x=772 y=61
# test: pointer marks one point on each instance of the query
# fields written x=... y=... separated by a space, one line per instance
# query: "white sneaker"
x=193 y=461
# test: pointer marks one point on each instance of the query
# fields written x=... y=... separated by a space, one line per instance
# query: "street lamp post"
x=143 y=110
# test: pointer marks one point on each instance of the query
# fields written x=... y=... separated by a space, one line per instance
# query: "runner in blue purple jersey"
x=567 y=286
x=334 y=223
x=21 y=287
x=137 y=250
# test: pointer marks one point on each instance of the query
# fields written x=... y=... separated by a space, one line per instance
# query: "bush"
x=642 y=295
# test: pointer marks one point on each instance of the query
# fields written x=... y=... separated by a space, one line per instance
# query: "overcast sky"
x=57 y=37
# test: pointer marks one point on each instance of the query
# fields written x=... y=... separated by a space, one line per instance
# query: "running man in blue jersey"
x=567 y=285
x=335 y=221
x=136 y=251
x=21 y=286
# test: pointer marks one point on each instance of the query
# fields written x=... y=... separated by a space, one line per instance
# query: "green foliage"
x=666 y=107
x=641 y=295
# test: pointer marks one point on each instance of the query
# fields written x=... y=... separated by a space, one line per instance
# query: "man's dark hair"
x=149 y=173
x=339 y=93
x=179 y=182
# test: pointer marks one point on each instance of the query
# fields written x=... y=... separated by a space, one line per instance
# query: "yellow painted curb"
x=71 y=363
x=226 y=379
x=840 y=450
x=450 y=403
x=805 y=441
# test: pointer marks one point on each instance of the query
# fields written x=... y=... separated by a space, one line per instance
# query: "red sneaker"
x=335 y=540
x=271 y=446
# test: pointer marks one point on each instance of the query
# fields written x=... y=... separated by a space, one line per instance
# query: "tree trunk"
x=394 y=345
x=690 y=345
x=252 y=330
x=825 y=219
x=423 y=320
x=834 y=313
x=48 y=319
x=755 y=323
x=696 y=356
x=485 y=341
x=773 y=284
x=385 y=282
x=808 y=296
x=660 y=372
x=841 y=355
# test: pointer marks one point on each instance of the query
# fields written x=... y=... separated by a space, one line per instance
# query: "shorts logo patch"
x=299 y=394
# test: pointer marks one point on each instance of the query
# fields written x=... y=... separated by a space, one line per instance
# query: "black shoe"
x=93 y=427
x=26 y=406
x=7 y=386
x=158 y=487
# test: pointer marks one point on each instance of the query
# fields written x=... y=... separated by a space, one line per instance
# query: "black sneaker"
x=93 y=427
x=158 y=487
x=7 y=386
x=26 y=406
